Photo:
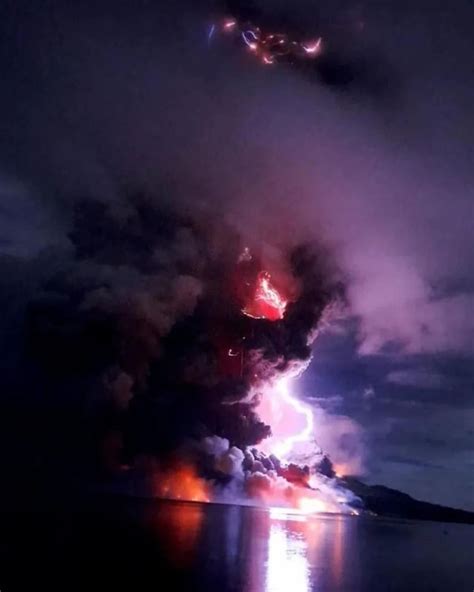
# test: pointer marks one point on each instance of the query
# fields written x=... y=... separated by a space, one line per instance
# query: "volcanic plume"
x=156 y=339
x=166 y=331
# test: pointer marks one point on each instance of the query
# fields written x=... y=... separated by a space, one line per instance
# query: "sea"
x=116 y=543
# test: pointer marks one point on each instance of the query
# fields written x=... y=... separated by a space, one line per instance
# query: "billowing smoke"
x=368 y=145
x=147 y=340
x=144 y=326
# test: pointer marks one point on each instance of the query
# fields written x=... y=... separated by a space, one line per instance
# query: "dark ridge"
x=392 y=503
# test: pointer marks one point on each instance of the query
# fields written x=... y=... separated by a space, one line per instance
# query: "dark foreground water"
x=135 y=545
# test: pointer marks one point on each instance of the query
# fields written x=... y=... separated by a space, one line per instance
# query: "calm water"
x=118 y=545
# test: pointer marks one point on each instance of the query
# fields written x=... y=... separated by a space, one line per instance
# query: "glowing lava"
x=182 y=483
x=267 y=302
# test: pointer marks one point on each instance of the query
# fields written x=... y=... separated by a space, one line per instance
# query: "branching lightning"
x=283 y=448
x=269 y=47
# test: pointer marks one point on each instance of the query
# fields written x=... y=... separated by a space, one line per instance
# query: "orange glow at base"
x=305 y=501
x=181 y=483
x=290 y=499
x=299 y=502
x=309 y=505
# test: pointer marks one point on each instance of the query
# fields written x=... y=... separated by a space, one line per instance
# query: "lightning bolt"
x=285 y=446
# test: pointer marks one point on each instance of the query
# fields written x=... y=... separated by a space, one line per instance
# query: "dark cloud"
x=106 y=101
x=127 y=337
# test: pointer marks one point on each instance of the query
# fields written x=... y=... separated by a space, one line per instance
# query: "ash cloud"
x=146 y=103
x=129 y=336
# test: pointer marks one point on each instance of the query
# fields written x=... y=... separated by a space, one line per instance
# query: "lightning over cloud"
x=179 y=332
x=194 y=190
x=268 y=47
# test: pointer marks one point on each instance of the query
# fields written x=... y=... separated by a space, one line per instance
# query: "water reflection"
x=287 y=563
x=303 y=552
x=293 y=552
x=337 y=551
x=139 y=545
x=179 y=526
x=212 y=547
x=250 y=549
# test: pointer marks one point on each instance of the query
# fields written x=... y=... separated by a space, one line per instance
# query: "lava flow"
x=267 y=302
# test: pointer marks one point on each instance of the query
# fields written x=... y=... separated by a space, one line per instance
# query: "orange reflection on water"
x=179 y=526
x=252 y=549
x=337 y=550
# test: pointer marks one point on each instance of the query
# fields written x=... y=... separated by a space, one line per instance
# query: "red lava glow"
x=182 y=483
x=287 y=499
x=267 y=302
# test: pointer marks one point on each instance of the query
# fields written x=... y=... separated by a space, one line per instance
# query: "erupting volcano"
x=190 y=343
x=265 y=473
x=237 y=295
x=199 y=351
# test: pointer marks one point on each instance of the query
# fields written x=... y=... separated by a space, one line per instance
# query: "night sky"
x=370 y=152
